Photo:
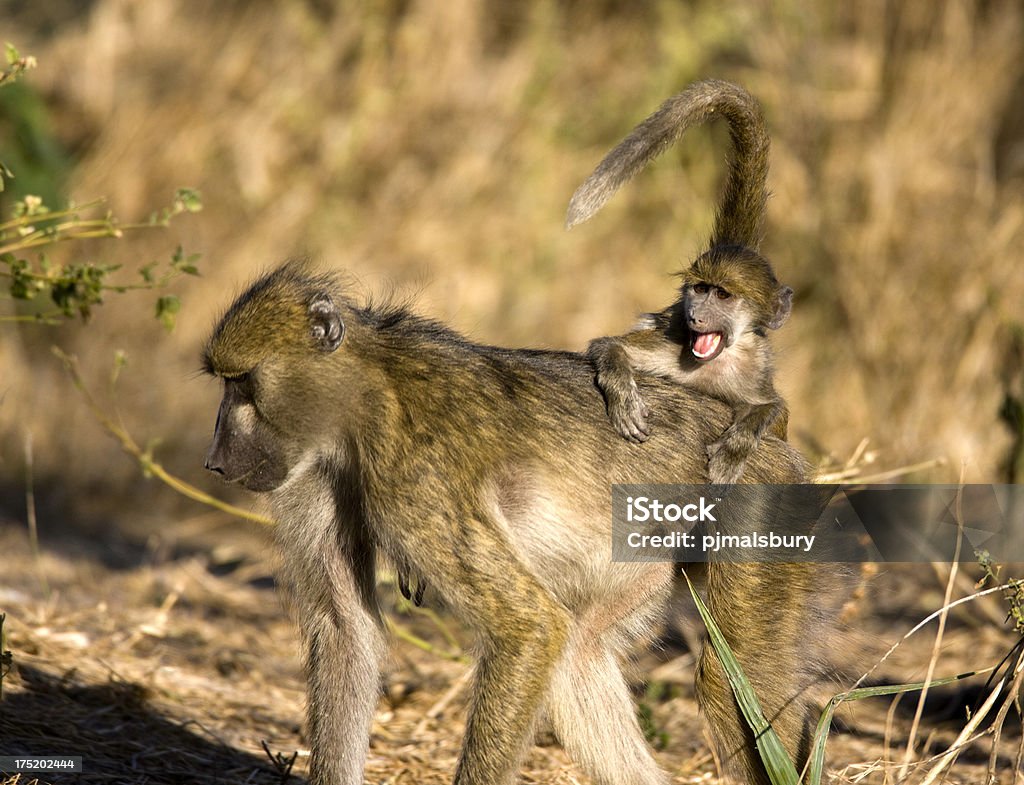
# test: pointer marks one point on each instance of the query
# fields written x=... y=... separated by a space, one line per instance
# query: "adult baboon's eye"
x=700 y=288
x=241 y=384
x=241 y=380
x=722 y=294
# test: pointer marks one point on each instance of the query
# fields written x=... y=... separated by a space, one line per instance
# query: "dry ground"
x=170 y=660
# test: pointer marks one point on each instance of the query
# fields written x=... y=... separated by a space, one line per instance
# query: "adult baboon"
x=377 y=432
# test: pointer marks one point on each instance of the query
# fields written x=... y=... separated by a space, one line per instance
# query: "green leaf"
x=13 y=55
x=167 y=308
x=184 y=264
x=188 y=265
x=189 y=199
x=817 y=761
x=780 y=767
x=22 y=285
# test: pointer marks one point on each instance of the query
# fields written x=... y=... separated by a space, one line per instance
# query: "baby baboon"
x=378 y=432
x=714 y=337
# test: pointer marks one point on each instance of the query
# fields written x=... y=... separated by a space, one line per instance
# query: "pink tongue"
x=706 y=343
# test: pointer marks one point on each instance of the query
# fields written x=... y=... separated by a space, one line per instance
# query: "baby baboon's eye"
x=700 y=288
x=722 y=294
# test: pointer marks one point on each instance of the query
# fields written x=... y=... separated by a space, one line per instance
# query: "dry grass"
x=178 y=671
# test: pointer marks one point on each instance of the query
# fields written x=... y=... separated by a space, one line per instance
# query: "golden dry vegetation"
x=431 y=148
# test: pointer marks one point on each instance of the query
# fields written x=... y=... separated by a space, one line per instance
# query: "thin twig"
x=997 y=723
x=852 y=474
x=59 y=238
x=443 y=702
x=990 y=609
x=858 y=453
x=937 y=645
x=406 y=635
x=23 y=220
x=30 y=515
x=49 y=317
x=408 y=607
x=890 y=722
x=964 y=737
x=925 y=621
x=145 y=457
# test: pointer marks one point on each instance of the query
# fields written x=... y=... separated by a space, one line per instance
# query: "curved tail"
x=740 y=216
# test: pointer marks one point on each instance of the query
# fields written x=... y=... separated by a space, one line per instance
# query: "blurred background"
x=432 y=148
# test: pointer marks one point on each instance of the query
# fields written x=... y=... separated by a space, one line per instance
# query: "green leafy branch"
x=1013 y=593
x=75 y=288
x=16 y=64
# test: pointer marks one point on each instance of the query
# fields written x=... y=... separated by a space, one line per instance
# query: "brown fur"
x=376 y=432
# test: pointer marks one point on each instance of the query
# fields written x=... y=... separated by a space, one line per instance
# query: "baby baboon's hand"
x=727 y=457
x=629 y=413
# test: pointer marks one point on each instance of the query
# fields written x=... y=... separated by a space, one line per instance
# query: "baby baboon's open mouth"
x=707 y=346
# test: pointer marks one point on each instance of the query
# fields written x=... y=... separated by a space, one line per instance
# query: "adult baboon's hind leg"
x=770 y=616
x=590 y=706
x=523 y=630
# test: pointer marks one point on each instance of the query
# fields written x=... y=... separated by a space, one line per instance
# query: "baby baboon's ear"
x=325 y=324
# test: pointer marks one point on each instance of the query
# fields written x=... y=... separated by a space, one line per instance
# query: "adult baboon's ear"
x=783 y=307
x=325 y=324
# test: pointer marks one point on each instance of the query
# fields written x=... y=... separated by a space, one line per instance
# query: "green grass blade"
x=817 y=761
x=780 y=767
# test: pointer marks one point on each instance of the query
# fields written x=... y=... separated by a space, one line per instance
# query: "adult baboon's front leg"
x=327 y=570
x=343 y=673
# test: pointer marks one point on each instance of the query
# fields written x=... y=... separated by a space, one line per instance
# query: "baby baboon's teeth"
x=705 y=344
